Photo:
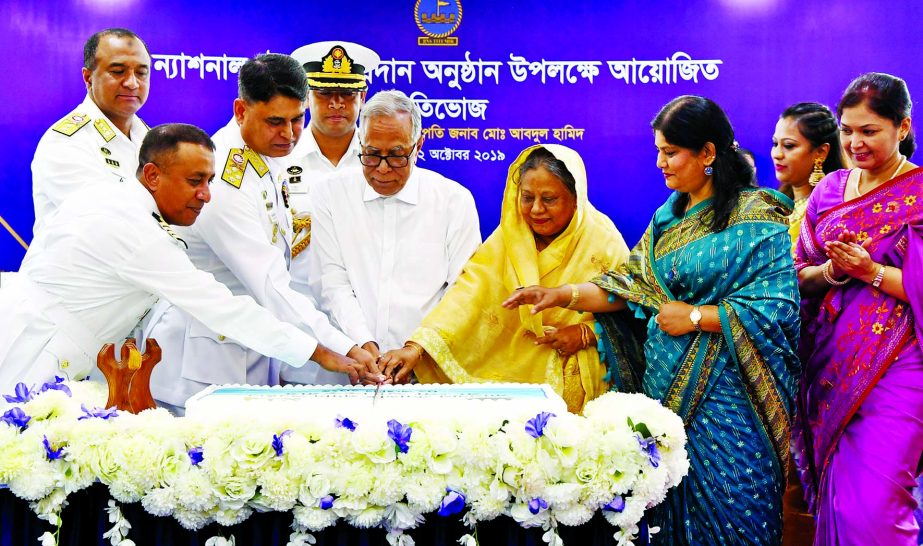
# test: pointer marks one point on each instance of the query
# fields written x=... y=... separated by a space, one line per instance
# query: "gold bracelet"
x=415 y=346
x=574 y=296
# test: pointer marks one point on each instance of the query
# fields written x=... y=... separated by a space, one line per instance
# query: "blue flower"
x=196 y=456
x=278 y=442
x=452 y=503
x=537 y=504
x=16 y=417
x=50 y=452
x=326 y=503
x=99 y=413
x=345 y=422
x=649 y=447
x=21 y=394
x=56 y=385
x=535 y=426
x=617 y=504
x=400 y=434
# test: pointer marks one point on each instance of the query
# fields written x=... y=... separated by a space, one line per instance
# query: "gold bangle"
x=827 y=272
x=415 y=346
x=585 y=335
x=574 y=296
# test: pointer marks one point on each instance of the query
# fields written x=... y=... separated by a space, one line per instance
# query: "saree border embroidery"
x=761 y=386
x=689 y=385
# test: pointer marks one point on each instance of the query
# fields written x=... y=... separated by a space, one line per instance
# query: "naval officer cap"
x=335 y=66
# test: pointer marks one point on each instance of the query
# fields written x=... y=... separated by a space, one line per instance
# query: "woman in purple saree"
x=858 y=433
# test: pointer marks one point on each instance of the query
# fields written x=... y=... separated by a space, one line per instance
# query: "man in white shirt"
x=106 y=256
x=392 y=238
x=99 y=140
x=244 y=239
x=337 y=86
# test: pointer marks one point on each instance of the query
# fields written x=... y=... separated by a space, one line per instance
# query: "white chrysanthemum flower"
x=37 y=483
x=573 y=515
x=192 y=520
x=365 y=519
x=194 y=491
x=314 y=519
x=232 y=516
x=159 y=502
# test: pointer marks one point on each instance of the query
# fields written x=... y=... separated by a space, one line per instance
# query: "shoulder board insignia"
x=166 y=227
x=254 y=159
x=105 y=130
x=234 y=167
x=71 y=123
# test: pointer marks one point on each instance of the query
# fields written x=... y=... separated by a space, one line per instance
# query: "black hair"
x=816 y=124
x=165 y=139
x=691 y=122
x=270 y=74
x=92 y=44
x=887 y=96
x=540 y=157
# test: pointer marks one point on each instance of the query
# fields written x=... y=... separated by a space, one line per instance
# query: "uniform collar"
x=409 y=194
x=307 y=146
x=138 y=128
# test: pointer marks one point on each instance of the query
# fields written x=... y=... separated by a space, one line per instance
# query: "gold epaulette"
x=236 y=165
x=104 y=129
x=71 y=123
x=254 y=159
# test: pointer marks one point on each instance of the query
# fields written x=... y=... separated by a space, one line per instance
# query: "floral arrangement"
x=620 y=458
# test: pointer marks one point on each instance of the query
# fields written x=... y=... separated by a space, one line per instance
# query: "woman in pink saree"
x=858 y=434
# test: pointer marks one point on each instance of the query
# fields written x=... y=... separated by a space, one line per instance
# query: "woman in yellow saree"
x=549 y=234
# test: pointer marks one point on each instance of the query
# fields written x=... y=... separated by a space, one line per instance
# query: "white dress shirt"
x=102 y=260
x=386 y=261
x=305 y=167
x=96 y=152
x=242 y=237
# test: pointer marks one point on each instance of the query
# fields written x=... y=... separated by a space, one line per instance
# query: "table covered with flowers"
x=74 y=470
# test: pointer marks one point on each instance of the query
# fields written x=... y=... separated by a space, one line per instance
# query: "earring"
x=709 y=170
x=818 y=173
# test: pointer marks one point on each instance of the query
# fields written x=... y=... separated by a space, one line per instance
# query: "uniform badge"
x=71 y=123
x=112 y=163
x=294 y=174
x=285 y=192
x=105 y=151
x=104 y=129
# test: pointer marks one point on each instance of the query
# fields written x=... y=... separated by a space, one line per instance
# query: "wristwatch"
x=696 y=316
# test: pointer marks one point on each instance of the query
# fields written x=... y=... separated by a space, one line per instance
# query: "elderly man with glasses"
x=392 y=238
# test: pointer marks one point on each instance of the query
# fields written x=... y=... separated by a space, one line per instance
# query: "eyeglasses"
x=394 y=161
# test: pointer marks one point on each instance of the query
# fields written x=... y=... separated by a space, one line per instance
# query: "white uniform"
x=385 y=262
x=241 y=237
x=100 y=263
x=82 y=148
x=305 y=167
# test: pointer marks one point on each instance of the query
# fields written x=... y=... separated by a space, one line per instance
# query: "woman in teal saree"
x=713 y=279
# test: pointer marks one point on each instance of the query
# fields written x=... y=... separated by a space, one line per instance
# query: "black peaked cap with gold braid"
x=335 y=66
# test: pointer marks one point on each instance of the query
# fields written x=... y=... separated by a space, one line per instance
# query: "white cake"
x=408 y=402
